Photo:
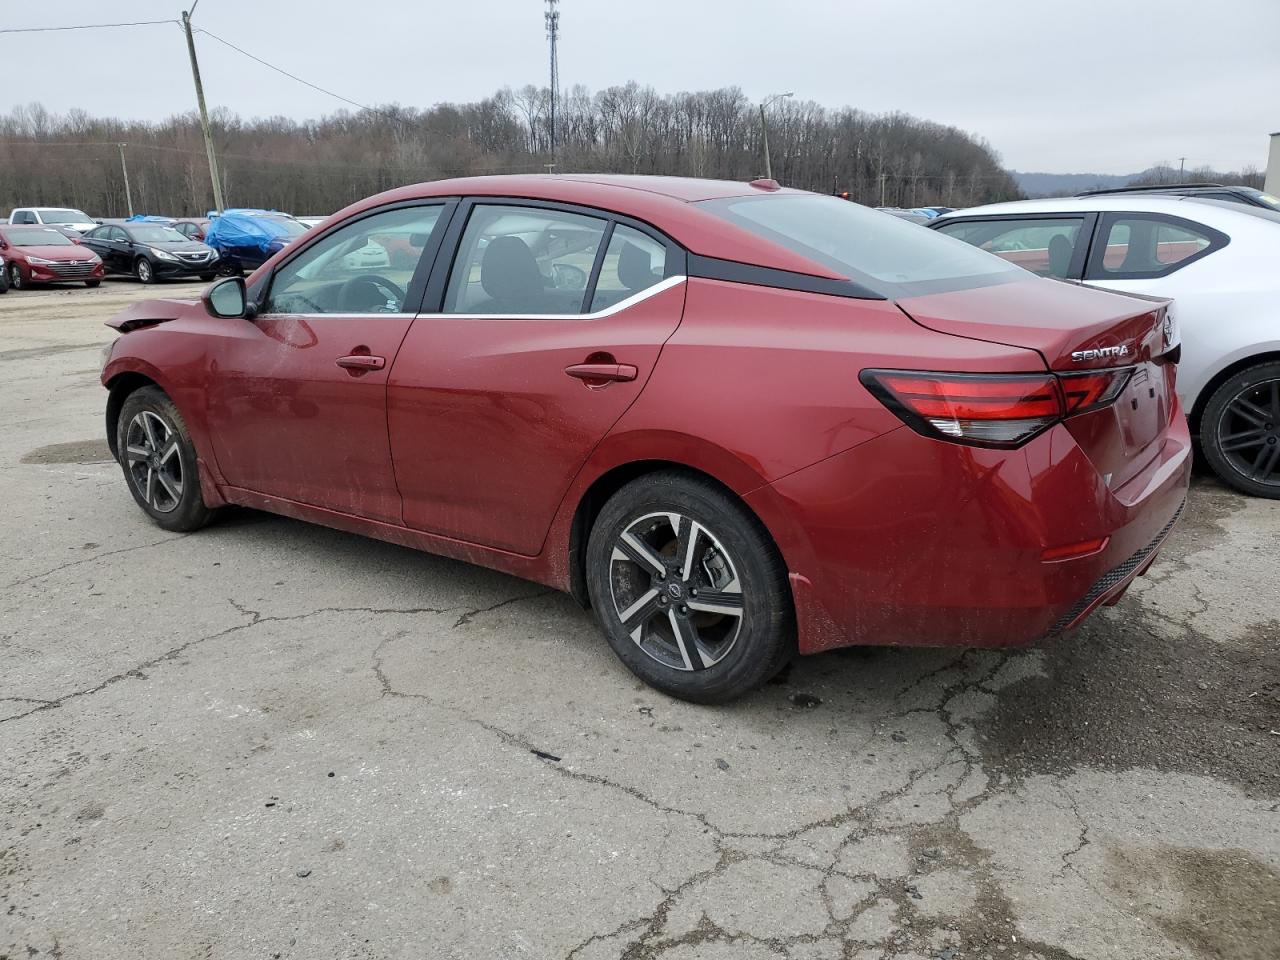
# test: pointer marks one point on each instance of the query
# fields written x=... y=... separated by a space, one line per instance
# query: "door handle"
x=602 y=371
x=361 y=361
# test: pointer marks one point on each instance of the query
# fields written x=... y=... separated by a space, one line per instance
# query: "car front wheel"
x=144 y=271
x=159 y=461
x=689 y=588
x=1240 y=430
x=15 y=276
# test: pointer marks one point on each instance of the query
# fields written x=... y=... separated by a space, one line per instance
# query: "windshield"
x=156 y=234
x=65 y=216
x=892 y=256
x=35 y=237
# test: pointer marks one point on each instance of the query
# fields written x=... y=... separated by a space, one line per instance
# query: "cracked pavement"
x=273 y=740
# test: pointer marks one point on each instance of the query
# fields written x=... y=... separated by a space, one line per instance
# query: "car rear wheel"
x=15 y=276
x=93 y=283
x=143 y=270
x=1240 y=431
x=159 y=461
x=207 y=277
x=689 y=588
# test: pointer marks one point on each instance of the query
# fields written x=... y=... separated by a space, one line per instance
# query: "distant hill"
x=1066 y=184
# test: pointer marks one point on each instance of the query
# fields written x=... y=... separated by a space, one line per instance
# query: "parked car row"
x=145 y=247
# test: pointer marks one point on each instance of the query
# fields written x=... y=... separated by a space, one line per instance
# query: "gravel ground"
x=268 y=739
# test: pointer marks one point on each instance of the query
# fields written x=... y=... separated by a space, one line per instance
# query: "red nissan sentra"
x=738 y=421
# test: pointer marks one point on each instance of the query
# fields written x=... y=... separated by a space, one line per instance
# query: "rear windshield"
x=893 y=257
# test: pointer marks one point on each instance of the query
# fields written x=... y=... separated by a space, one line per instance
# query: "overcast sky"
x=1100 y=86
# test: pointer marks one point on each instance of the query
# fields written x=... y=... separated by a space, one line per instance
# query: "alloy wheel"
x=153 y=461
x=676 y=591
x=15 y=276
x=1249 y=432
x=144 y=271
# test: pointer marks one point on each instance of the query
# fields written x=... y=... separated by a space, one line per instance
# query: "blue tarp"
x=148 y=218
x=245 y=228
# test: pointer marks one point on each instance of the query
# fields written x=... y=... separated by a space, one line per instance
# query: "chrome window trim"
x=660 y=287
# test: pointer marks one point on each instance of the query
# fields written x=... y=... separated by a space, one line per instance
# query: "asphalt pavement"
x=268 y=739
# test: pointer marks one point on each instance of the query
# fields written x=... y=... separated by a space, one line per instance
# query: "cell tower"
x=552 y=17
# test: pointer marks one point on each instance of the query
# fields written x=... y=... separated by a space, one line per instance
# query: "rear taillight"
x=996 y=409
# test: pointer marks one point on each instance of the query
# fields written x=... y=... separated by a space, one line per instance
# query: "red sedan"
x=737 y=421
x=46 y=255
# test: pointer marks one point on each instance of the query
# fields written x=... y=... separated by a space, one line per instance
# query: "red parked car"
x=737 y=421
x=46 y=255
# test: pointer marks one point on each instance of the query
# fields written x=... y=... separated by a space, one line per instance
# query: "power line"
x=292 y=76
x=84 y=26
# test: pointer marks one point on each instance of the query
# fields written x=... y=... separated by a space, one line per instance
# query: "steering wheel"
x=347 y=294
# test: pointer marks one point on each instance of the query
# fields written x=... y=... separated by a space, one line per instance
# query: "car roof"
x=669 y=204
x=1210 y=211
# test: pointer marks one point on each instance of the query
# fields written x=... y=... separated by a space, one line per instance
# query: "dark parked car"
x=737 y=421
x=246 y=239
x=1248 y=196
x=46 y=255
x=151 y=251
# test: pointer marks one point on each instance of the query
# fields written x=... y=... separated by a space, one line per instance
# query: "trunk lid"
x=1077 y=329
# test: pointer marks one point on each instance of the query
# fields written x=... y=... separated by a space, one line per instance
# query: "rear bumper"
x=910 y=541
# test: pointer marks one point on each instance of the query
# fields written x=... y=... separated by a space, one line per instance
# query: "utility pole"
x=124 y=168
x=1182 y=164
x=882 y=175
x=204 y=114
x=552 y=17
x=764 y=131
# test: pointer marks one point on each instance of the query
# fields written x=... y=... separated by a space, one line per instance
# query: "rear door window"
x=1135 y=246
x=523 y=261
x=1047 y=246
x=632 y=262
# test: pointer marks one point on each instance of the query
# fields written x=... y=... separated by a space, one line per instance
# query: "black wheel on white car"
x=1240 y=430
x=143 y=270
x=159 y=461
x=689 y=588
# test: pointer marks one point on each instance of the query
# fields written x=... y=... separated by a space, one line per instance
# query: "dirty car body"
x=679 y=399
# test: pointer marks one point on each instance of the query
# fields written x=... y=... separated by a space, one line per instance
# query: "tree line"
x=318 y=166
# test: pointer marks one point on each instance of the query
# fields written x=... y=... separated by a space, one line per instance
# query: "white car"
x=1217 y=261
x=68 y=217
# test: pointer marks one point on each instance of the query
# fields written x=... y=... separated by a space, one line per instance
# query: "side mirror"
x=225 y=298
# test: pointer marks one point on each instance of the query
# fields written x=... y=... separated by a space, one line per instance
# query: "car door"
x=546 y=322
x=1049 y=245
x=298 y=404
x=96 y=240
x=121 y=250
x=1149 y=254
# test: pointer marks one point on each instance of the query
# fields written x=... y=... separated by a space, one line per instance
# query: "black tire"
x=93 y=284
x=4 y=278
x=737 y=652
x=208 y=277
x=1240 y=431
x=15 y=276
x=187 y=510
x=143 y=271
